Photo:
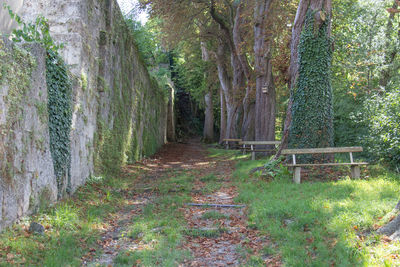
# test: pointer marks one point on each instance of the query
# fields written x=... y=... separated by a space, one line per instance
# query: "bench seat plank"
x=260 y=142
x=326 y=164
x=231 y=140
x=325 y=150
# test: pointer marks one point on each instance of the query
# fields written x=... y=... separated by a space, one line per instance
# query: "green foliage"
x=382 y=115
x=33 y=32
x=312 y=112
x=60 y=119
x=274 y=169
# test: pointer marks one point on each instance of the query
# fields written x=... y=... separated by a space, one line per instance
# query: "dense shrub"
x=382 y=114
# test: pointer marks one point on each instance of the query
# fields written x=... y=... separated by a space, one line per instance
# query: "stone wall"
x=27 y=178
x=119 y=112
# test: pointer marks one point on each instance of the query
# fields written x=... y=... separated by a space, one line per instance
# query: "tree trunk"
x=222 y=130
x=229 y=87
x=302 y=9
x=232 y=86
x=208 y=131
x=265 y=102
x=248 y=123
x=248 y=131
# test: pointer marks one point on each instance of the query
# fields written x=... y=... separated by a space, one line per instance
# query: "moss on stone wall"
x=16 y=66
x=134 y=126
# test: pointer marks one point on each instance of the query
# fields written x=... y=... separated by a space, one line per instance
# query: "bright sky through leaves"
x=129 y=5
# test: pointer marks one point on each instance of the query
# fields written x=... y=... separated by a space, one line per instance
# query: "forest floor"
x=141 y=217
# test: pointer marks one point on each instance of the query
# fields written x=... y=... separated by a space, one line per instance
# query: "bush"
x=382 y=114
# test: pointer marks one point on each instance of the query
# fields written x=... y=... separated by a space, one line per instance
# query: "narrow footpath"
x=181 y=181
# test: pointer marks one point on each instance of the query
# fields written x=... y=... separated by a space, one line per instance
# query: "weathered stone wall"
x=27 y=178
x=119 y=112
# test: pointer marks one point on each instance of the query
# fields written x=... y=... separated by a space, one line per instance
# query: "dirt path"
x=214 y=236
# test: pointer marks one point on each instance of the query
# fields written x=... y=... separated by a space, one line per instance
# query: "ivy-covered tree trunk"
x=312 y=110
x=303 y=7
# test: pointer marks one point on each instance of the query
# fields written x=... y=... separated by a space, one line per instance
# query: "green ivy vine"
x=312 y=111
x=60 y=118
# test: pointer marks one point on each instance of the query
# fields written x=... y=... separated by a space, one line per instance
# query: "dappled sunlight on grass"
x=321 y=223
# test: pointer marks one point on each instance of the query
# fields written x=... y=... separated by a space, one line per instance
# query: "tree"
x=265 y=88
x=321 y=10
x=246 y=110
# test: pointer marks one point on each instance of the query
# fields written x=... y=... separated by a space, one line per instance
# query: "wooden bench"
x=227 y=140
x=252 y=145
x=355 y=166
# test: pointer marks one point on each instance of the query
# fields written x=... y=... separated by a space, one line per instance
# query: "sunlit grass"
x=160 y=229
x=213 y=215
x=322 y=223
x=72 y=227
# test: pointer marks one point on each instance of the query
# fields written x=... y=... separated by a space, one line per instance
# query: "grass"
x=213 y=215
x=321 y=223
x=72 y=228
x=160 y=229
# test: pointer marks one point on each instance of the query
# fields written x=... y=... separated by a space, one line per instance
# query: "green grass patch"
x=321 y=223
x=213 y=215
x=209 y=233
x=226 y=154
x=71 y=227
x=180 y=183
x=161 y=226
x=209 y=178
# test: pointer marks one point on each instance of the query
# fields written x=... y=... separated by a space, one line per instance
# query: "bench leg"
x=253 y=155
x=297 y=175
x=355 y=172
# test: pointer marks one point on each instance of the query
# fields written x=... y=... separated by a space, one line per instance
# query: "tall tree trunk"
x=222 y=131
x=232 y=86
x=208 y=131
x=302 y=9
x=265 y=102
x=248 y=123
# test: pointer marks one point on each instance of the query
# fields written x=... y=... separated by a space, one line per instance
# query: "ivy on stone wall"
x=60 y=118
x=312 y=112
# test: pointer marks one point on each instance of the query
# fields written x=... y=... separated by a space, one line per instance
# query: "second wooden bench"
x=252 y=146
x=355 y=166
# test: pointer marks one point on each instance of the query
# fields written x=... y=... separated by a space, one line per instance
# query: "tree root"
x=392 y=229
